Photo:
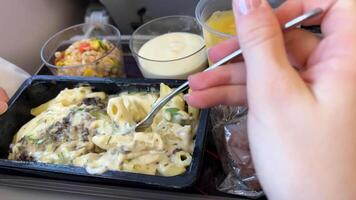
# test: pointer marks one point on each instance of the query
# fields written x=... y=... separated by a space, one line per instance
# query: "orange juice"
x=223 y=23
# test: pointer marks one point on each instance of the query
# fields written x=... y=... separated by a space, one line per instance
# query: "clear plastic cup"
x=162 y=68
x=107 y=63
x=204 y=11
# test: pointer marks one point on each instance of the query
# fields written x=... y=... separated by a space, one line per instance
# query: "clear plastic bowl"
x=110 y=64
x=204 y=11
x=178 y=68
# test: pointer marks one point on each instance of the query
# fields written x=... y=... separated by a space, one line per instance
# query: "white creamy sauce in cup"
x=173 y=55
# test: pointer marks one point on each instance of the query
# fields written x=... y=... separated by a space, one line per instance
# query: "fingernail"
x=186 y=97
x=246 y=6
x=209 y=51
x=3 y=107
x=190 y=77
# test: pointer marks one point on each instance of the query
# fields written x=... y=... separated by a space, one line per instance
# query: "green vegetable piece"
x=80 y=109
x=61 y=157
x=40 y=141
x=102 y=45
x=172 y=111
x=98 y=114
x=32 y=139
x=108 y=142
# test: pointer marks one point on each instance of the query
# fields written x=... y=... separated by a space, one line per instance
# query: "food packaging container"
x=39 y=89
x=167 y=65
x=110 y=64
x=204 y=10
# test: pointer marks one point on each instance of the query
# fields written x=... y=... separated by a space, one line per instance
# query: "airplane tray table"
x=15 y=186
x=25 y=186
x=204 y=189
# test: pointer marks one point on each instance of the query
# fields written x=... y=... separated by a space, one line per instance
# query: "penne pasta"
x=87 y=129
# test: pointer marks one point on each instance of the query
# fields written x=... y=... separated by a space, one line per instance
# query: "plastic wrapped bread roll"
x=231 y=140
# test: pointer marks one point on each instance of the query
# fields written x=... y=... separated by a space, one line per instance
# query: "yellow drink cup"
x=217 y=20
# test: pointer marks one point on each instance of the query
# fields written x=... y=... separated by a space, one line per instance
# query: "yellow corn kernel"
x=59 y=63
x=89 y=72
x=95 y=44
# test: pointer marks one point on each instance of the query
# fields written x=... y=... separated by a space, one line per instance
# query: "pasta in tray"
x=88 y=129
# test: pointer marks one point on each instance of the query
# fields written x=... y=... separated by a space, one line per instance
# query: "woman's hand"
x=301 y=122
x=3 y=101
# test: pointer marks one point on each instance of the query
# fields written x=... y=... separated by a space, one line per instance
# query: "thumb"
x=269 y=73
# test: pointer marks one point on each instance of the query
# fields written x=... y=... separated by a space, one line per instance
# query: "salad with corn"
x=90 y=57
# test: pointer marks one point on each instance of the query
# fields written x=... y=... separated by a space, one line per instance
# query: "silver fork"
x=147 y=121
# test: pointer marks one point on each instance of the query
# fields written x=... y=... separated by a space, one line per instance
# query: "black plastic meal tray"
x=40 y=89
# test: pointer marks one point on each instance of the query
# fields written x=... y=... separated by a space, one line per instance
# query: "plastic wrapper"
x=231 y=140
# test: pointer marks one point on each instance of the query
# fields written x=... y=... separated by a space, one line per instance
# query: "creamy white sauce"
x=173 y=55
x=84 y=135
